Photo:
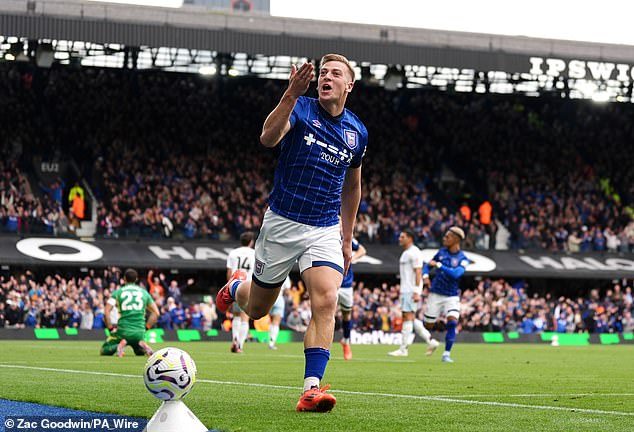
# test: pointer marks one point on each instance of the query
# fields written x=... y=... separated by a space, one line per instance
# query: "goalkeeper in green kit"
x=132 y=302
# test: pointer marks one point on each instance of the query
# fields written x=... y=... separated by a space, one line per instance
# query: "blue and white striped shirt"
x=314 y=157
x=447 y=279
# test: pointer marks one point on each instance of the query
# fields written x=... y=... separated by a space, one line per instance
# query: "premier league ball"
x=170 y=374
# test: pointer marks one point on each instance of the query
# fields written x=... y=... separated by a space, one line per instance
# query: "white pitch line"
x=357 y=393
x=538 y=395
x=500 y=404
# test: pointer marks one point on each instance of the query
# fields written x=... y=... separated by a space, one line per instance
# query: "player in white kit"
x=277 y=313
x=410 y=270
x=242 y=258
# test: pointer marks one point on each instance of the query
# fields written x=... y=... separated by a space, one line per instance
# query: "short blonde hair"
x=457 y=231
x=337 y=57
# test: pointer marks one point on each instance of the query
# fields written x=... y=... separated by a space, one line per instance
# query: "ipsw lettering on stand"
x=336 y=155
x=581 y=69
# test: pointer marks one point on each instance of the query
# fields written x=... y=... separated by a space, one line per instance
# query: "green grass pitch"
x=491 y=387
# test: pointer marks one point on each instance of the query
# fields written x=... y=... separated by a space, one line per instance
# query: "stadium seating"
x=177 y=156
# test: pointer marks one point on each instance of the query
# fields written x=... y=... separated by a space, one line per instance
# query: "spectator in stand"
x=14 y=316
x=295 y=322
x=197 y=318
x=465 y=211
x=612 y=241
x=99 y=321
x=178 y=316
x=78 y=206
x=208 y=309
x=55 y=191
x=74 y=191
x=573 y=242
x=87 y=316
x=628 y=322
x=155 y=287
x=31 y=319
x=48 y=316
x=165 y=319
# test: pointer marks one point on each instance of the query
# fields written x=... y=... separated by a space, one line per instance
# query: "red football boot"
x=316 y=400
x=224 y=299
x=347 y=351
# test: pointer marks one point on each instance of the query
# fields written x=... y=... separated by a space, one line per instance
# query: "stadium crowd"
x=54 y=301
x=179 y=159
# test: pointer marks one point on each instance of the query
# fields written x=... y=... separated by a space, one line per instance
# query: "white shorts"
x=344 y=298
x=282 y=242
x=439 y=304
x=408 y=304
x=278 y=307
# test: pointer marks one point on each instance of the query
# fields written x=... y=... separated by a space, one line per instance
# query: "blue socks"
x=346 y=327
x=450 y=337
x=316 y=361
x=234 y=287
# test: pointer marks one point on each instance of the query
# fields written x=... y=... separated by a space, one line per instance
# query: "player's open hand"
x=300 y=79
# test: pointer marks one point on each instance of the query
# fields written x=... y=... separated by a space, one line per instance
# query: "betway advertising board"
x=41 y=251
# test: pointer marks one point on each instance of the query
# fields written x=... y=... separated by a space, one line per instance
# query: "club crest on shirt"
x=454 y=262
x=351 y=139
x=259 y=267
x=317 y=124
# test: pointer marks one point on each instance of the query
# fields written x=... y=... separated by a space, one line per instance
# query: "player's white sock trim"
x=310 y=382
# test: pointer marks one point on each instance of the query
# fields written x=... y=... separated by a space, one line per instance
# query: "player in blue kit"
x=318 y=177
x=444 y=298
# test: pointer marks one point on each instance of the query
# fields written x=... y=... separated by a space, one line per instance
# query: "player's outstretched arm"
x=277 y=124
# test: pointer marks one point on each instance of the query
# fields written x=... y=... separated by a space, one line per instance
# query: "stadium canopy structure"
x=233 y=42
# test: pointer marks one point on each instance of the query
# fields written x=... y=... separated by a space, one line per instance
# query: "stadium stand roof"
x=195 y=27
